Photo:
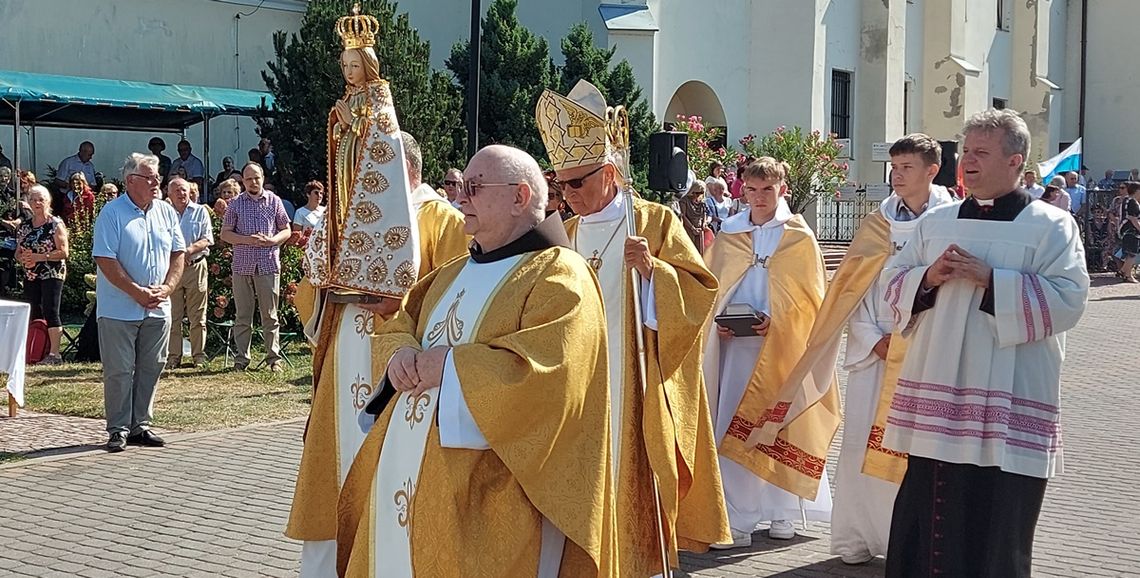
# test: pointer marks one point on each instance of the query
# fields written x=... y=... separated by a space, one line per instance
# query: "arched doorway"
x=695 y=98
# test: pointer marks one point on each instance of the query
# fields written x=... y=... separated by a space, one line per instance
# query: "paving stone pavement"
x=214 y=504
x=33 y=431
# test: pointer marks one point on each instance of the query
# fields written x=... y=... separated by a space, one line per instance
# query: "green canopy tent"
x=50 y=100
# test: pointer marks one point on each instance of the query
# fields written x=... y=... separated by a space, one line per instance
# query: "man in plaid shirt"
x=256 y=225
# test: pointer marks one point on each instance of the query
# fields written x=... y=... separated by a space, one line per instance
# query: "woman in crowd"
x=718 y=204
x=108 y=192
x=42 y=250
x=1130 y=231
x=310 y=215
x=227 y=190
x=693 y=215
x=80 y=205
x=228 y=172
x=716 y=170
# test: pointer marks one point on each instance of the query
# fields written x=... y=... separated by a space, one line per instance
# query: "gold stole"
x=453 y=321
x=795 y=461
x=880 y=462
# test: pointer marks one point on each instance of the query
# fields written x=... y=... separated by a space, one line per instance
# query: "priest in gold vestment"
x=379 y=234
x=490 y=455
x=665 y=432
x=769 y=265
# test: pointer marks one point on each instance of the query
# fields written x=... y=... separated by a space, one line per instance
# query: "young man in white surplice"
x=750 y=499
x=861 y=523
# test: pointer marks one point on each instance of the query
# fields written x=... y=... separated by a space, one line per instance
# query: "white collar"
x=612 y=212
x=423 y=194
x=742 y=221
x=889 y=208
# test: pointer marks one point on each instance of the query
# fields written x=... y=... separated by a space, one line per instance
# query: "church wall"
x=188 y=41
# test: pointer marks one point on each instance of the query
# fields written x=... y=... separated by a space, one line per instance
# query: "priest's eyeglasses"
x=578 y=182
x=472 y=189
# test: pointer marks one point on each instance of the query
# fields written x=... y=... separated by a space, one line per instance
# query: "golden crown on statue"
x=358 y=31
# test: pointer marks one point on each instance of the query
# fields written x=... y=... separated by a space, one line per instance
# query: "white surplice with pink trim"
x=978 y=388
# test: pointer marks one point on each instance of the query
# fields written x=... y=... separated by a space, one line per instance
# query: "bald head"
x=505 y=196
x=505 y=164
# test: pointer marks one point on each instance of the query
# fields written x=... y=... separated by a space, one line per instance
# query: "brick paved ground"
x=214 y=504
x=32 y=431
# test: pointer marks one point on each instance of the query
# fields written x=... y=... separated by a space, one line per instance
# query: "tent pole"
x=16 y=152
x=34 y=147
x=206 y=192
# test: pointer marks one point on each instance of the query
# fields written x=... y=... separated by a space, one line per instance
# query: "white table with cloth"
x=14 y=317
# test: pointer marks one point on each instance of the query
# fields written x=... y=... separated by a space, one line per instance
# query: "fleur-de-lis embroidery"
x=361 y=391
x=414 y=408
x=896 y=247
x=364 y=324
x=758 y=261
x=451 y=328
x=403 y=499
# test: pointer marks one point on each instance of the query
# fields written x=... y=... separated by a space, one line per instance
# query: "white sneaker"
x=856 y=559
x=739 y=540
x=781 y=530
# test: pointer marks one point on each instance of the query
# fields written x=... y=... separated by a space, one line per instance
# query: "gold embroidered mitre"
x=357 y=31
x=574 y=127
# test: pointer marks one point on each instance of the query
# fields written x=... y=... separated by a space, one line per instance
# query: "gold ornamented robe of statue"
x=776 y=269
x=353 y=258
x=504 y=469
x=667 y=431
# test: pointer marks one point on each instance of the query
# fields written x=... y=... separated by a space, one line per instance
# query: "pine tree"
x=584 y=60
x=516 y=67
x=305 y=80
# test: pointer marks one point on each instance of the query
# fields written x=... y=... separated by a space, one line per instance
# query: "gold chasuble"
x=793 y=461
x=354 y=257
x=528 y=492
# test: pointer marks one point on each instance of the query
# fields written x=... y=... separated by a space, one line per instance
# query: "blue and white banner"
x=1069 y=160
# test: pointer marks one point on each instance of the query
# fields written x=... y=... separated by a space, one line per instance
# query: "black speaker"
x=668 y=162
x=948 y=175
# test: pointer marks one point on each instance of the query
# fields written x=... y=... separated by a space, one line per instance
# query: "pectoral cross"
x=761 y=261
x=595 y=262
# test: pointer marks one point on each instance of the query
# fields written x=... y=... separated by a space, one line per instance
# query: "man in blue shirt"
x=138 y=248
x=1076 y=192
x=189 y=297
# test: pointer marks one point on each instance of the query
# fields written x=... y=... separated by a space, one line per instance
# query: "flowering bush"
x=814 y=168
x=700 y=150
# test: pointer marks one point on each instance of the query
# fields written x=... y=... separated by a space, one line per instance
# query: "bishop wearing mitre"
x=662 y=428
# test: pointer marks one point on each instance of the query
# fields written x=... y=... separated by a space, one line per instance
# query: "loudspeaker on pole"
x=668 y=162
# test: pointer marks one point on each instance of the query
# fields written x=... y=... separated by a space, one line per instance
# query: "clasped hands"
x=26 y=257
x=151 y=296
x=417 y=371
x=956 y=263
x=262 y=240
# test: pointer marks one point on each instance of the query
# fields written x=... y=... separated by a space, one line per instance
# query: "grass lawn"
x=188 y=399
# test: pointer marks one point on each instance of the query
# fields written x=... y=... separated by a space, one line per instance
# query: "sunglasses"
x=452 y=183
x=575 y=183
